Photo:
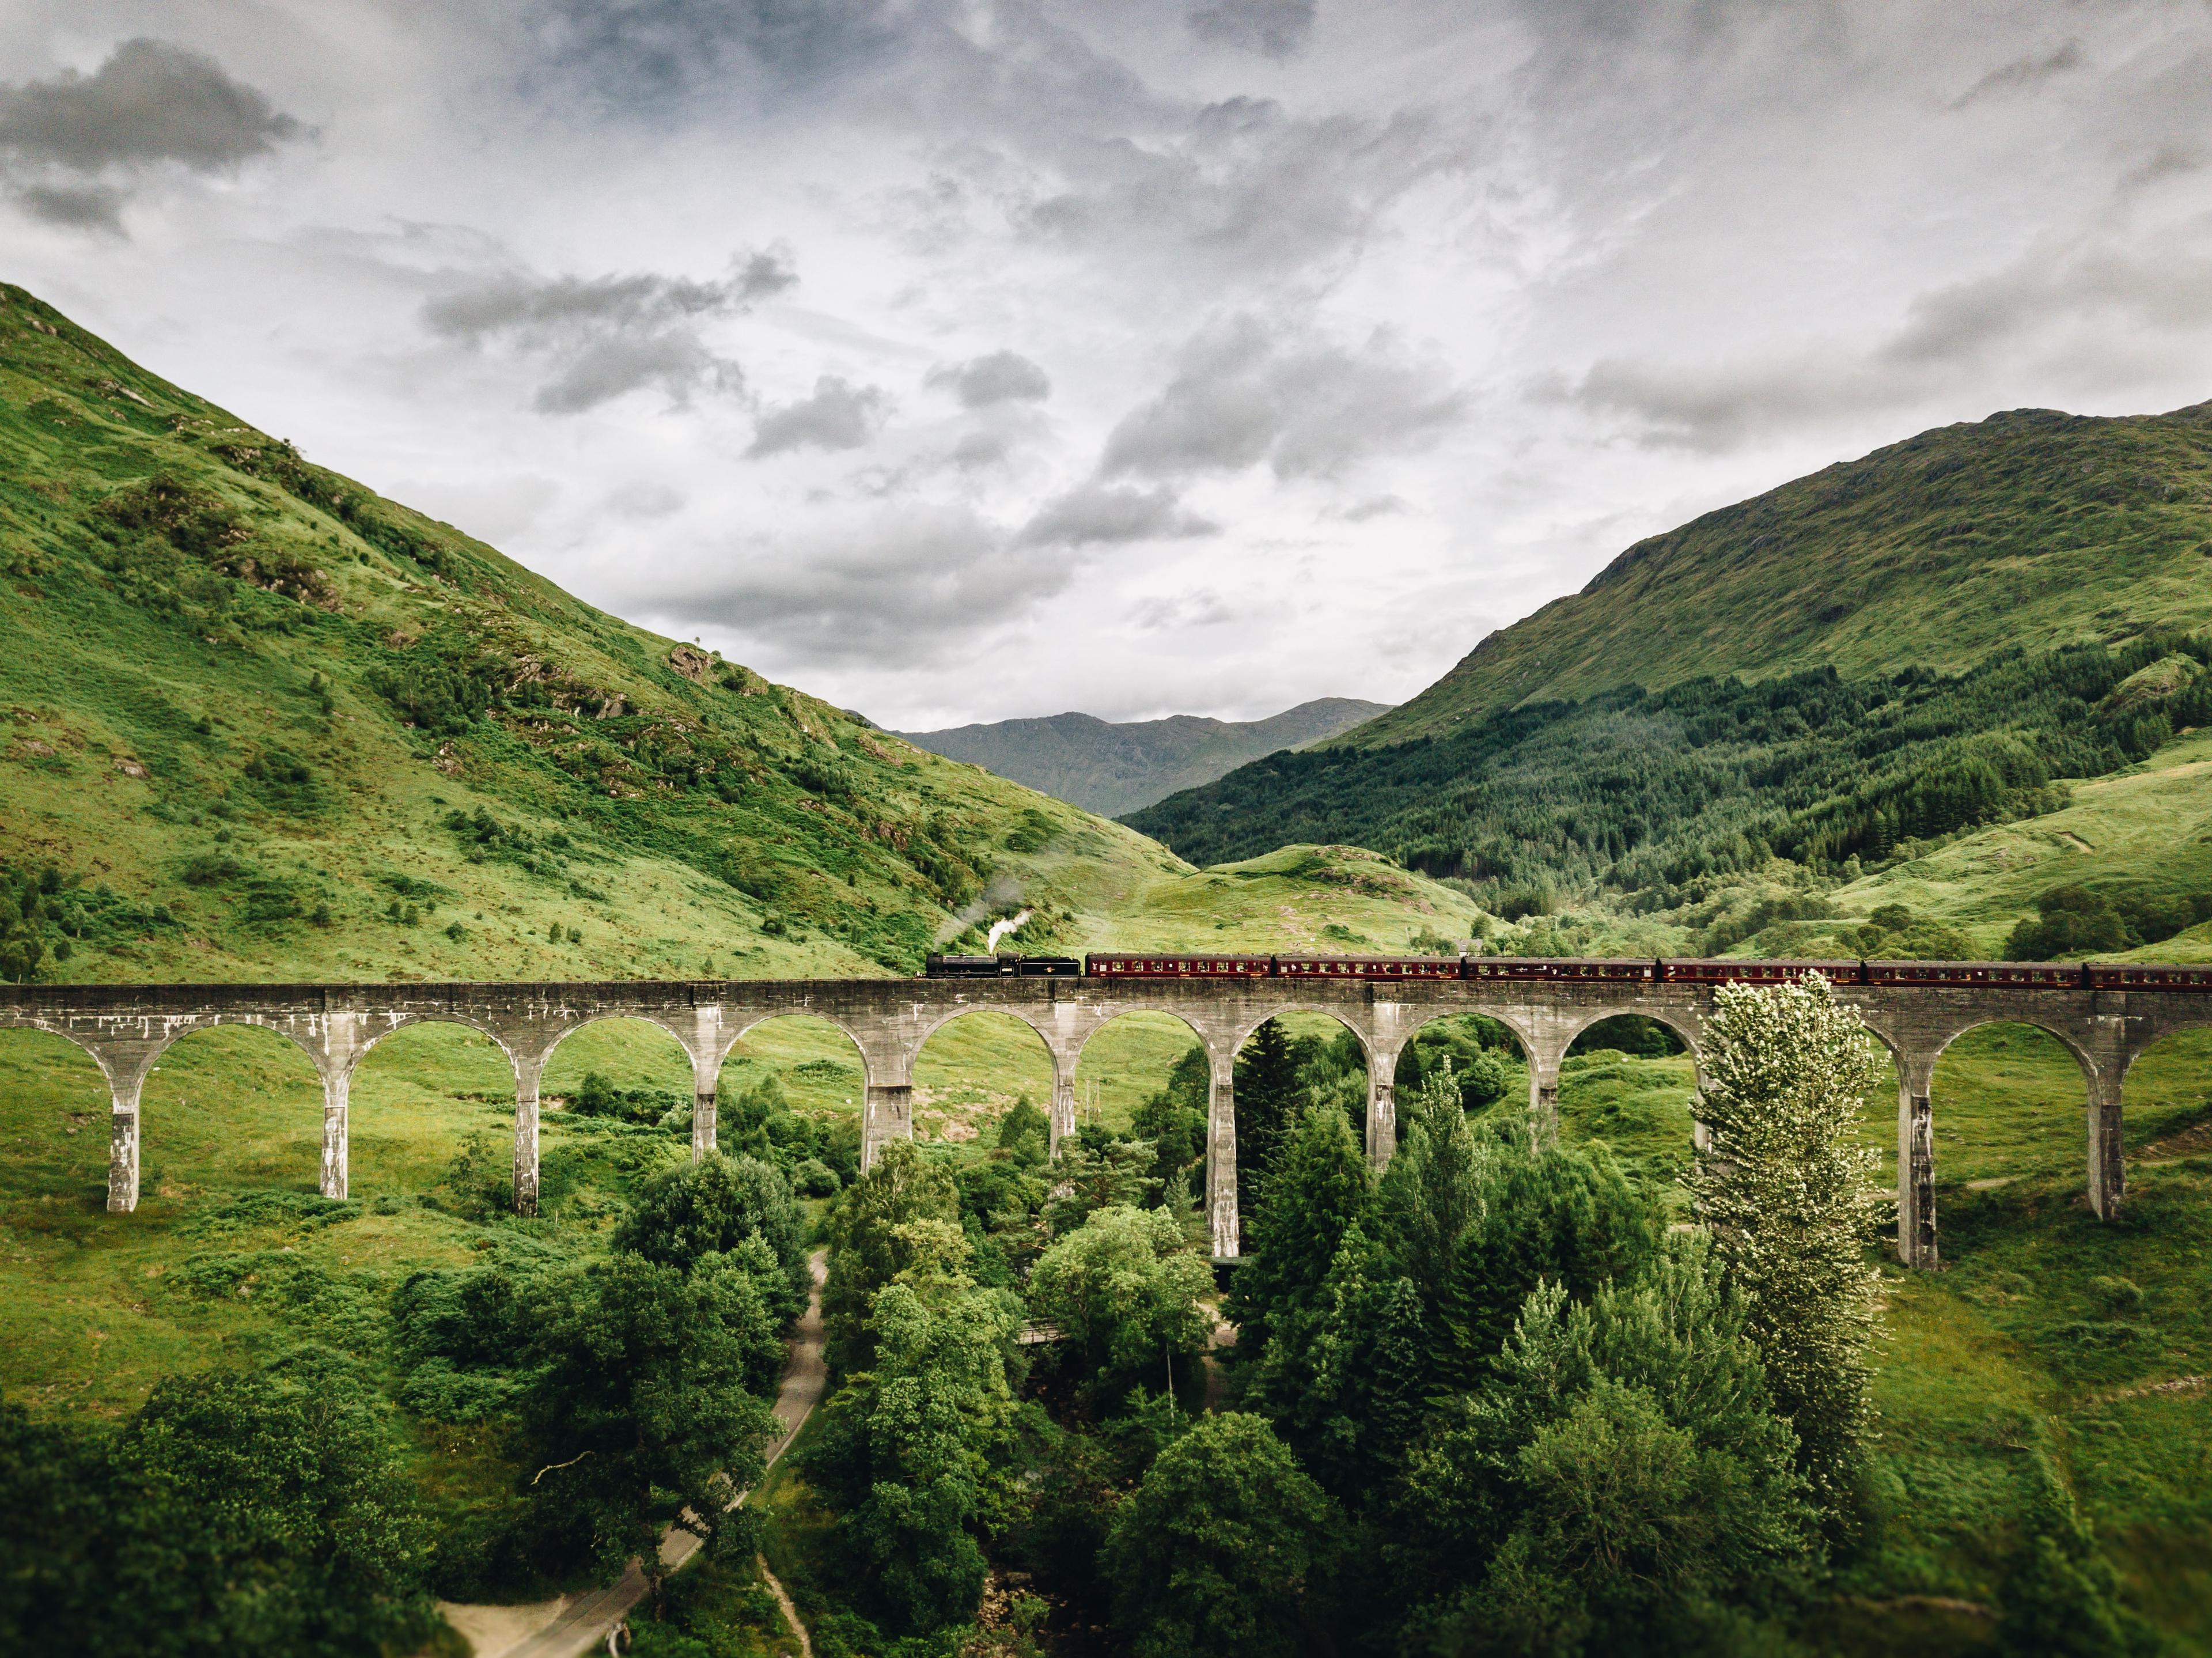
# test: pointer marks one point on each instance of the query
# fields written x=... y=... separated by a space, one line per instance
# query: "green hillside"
x=263 y=723
x=2031 y=528
x=1740 y=720
x=1117 y=768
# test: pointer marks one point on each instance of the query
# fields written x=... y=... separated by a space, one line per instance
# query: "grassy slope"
x=184 y=730
x=2031 y=528
x=2147 y=829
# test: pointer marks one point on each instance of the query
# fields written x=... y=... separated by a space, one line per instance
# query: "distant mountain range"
x=1111 y=769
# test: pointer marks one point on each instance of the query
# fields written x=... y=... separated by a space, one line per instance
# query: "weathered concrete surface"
x=126 y=1029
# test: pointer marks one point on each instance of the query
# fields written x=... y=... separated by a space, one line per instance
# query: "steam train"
x=2049 y=975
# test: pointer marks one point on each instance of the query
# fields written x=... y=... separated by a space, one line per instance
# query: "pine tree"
x=1269 y=1096
x=1790 y=1198
x=1321 y=1186
x=1432 y=1193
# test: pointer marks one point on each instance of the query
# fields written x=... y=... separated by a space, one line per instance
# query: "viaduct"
x=126 y=1028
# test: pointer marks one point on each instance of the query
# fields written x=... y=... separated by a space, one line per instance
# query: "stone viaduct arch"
x=125 y=1029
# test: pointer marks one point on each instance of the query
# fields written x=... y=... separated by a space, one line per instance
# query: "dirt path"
x=578 y=1624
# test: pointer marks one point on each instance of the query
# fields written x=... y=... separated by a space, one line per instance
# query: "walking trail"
x=572 y=1624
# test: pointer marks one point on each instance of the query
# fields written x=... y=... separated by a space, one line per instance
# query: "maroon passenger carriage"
x=1367 y=967
x=1606 y=969
x=1124 y=965
x=2024 y=975
x=2148 y=976
x=1680 y=972
x=2052 y=975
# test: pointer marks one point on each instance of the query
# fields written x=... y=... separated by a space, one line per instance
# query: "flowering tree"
x=1792 y=1200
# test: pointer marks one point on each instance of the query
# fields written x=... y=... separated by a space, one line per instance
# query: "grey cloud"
x=1159 y=614
x=642 y=500
x=1373 y=506
x=540 y=308
x=1239 y=185
x=1274 y=28
x=604 y=369
x=79 y=207
x=765 y=273
x=912 y=587
x=637 y=52
x=1000 y=377
x=979 y=449
x=2022 y=73
x=1095 y=513
x=837 y=415
x=2077 y=320
x=1308 y=407
x=601 y=337
x=2166 y=161
x=1714 y=406
x=150 y=102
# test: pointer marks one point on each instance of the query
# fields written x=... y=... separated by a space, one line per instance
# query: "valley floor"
x=2050 y=1346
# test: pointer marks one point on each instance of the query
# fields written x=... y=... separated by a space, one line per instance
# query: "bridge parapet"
x=126 y=1028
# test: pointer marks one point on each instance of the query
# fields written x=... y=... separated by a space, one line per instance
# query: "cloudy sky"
x=963 y=359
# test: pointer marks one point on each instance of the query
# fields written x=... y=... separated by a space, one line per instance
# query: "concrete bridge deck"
x=124 y=1028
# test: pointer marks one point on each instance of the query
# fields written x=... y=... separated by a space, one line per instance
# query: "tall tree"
x=1216 y=1551
x=1268 y=1097
x=1789 y=1194
x=258 y=1513
x=1565 y=1215
x=714 y=1204
x=1320 y=1187
x=1174 y=1120
x=640 y=1405
x=1617 y=1484
x=1344 y=1377
x=905 y=1445
x=1432 y=1193
x=869 y=1246
x=1127 y=1297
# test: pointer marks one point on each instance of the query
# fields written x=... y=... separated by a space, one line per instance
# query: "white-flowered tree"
x=1792 y=1199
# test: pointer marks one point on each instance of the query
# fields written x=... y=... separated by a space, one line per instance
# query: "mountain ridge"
x=1116 y=768
x=2006 y=521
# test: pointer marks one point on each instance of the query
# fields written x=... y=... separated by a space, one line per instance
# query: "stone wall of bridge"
x=126 y=1028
